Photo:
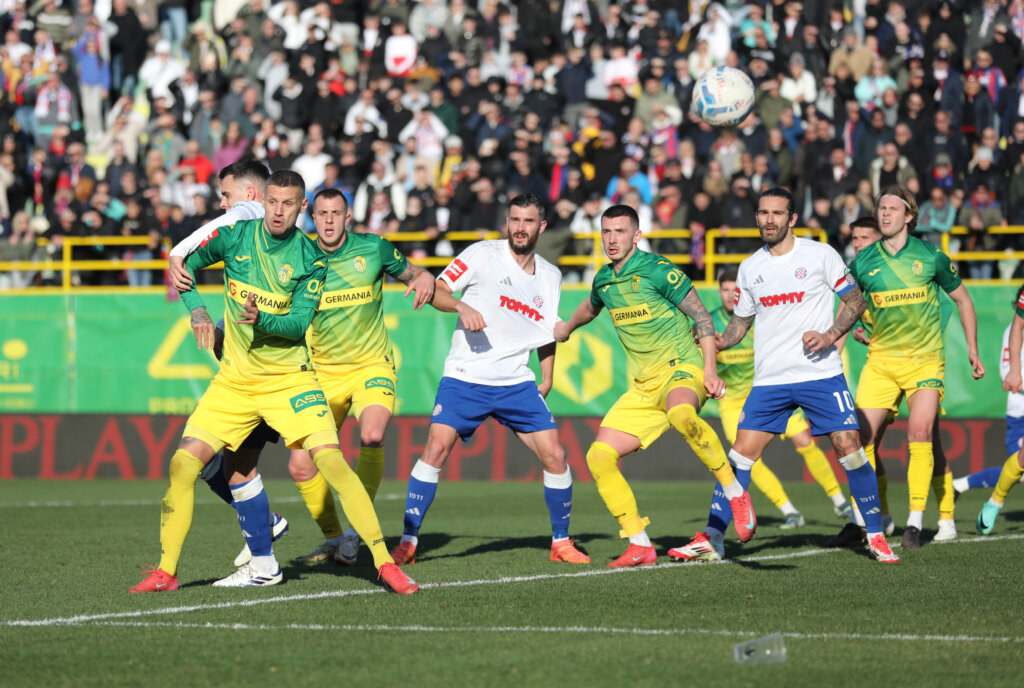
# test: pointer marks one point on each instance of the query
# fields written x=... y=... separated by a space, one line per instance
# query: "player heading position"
x=736 y=368
x=901 y=276
x=652 y=305
x=265 y=373
x=789 y=287
x=508 y=307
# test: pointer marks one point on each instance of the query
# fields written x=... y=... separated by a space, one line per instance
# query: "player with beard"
x=508 y=308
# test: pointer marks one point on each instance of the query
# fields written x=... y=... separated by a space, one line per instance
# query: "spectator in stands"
x=18 y=245
x=937 y=216
x=979 y=213
x=890 y=169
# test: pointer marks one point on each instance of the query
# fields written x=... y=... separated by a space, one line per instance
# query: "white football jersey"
x=1014 y=400
x=243 y=210
x=520 y=311
x=790 y=295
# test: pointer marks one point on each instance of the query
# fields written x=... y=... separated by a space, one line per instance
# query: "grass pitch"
x=493 y=611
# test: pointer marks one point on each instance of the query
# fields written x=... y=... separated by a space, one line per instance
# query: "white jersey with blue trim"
x=789 y=295
x=243 y=210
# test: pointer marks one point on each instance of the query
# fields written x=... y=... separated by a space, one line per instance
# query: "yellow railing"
x=63 y=262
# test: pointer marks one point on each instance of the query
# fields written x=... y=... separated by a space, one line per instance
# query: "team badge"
x=437 y=410
x=284 y=273
x=538 y=301
x=917 y=267
x=398 y=256
x=635 y=285
x=800 y=273
x=359 y=263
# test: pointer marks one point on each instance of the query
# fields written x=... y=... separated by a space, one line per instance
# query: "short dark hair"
x=287 y=179
x=728 y=275
x=528 y=201
x=329 y=193
x=780 y=192
x=247 y=172
x=865 y=221
x=621 y=210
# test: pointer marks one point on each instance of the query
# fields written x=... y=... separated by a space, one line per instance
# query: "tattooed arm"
x=420 y=281
x=694 y=309
x=851 y=307
x=734 y=331
x=202 y=328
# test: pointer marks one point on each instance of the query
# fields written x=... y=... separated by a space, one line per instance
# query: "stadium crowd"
x=429 y=115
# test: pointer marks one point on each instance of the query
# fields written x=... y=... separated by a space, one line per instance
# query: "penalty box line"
x=108 y=616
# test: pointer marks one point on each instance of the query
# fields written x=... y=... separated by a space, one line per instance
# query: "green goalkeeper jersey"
x=349 y=328
x=902 y=294
x=735 y=365
x=285 y=275
x=642 y=302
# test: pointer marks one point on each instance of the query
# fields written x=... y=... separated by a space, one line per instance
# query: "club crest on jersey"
x=284 y=273
x=359 y=263
x=917 y=268
x=538 y=301
x=800 y=273
x=635 y=283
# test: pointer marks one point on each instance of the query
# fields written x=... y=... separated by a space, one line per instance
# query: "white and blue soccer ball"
x=723 y=96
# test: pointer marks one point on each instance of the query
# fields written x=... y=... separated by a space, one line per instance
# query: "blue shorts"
x=826 y=403
x=465 y=405
x=1014 y=433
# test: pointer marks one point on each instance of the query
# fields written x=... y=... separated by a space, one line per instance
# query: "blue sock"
x=743 y=475
x=985 y=478
x=558 y=497
x=254 y=517
x=864 y=489
x=213 y=474
x=422 y=488
x=721 y=513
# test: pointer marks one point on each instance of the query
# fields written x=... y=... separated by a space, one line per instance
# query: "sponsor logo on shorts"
x=266 y=301
x=379 y=382
x=930 y=383
x=301 y=402
x=340 y=298
x=519 y=307
x=800 y=273
x=899 y=297
x=781 y=299
x=681 y=375
x=284 y=273
x=850 y=420
x=322 y=414
x=629 y=315
x=437 y=410
x=743 y=415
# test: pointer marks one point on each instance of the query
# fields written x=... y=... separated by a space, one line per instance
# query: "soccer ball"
x=723 y=96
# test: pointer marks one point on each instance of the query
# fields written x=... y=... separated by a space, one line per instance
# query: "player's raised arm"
x=546 y=358
x=181 y=278
x=584 y=313
x=969 y=321
x=695 y=311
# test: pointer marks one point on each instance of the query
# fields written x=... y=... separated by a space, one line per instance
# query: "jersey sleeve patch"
x=844 y=284
x=455 y=270
x=210 y=238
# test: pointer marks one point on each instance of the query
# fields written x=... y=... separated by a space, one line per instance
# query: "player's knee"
x=553 y=460
x=683 y=418
x=919 y=432
x=301 y=467
x=184 y=466
x=601 y=460
x=371 y=437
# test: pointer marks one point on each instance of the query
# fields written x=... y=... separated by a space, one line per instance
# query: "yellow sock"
x=883 y=492
x=1009 y=477
x=176 y=508
x=320 y=502
x=870 y=451
x=703 y=441
x=919 y=474
x=603 y=462
x=942 y=485
x=370 y=469
x=768 y=483
x=819 y=468
x=354 y=502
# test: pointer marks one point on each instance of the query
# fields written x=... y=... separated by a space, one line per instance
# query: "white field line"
x=383 y=628
x=110 y=616
x=152 y=502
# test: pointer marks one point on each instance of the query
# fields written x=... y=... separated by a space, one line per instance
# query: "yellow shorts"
x=353 y=388
x=641 y=410
x=296 y=408
x=884 y=381
x=730 y=408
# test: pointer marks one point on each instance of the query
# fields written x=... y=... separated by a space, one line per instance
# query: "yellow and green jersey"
x=902 y=294
x=642 y=302
x=735 y=365
x=285 y=275
x=945 y=313
x=349 y=328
